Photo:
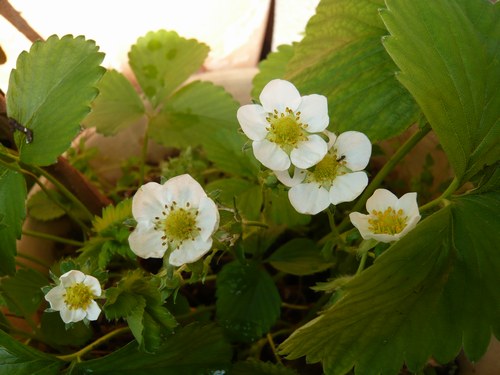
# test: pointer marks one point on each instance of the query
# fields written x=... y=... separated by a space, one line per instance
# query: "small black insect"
x=341 y=158
x=14 y=125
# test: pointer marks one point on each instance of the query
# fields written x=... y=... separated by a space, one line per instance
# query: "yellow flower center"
x=286 y=130
x=328 y=169
x=388 y=221
x=78 y=296
x=180 y=225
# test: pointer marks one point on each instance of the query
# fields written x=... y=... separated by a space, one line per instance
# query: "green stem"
x=144 y=154
x=362 y=263
x=34 y=260
x=273 y=348
x=51 y=237
x=454 y=185
x=77 y=355
x=385 y=170
x=292 y=306
x=251 y=223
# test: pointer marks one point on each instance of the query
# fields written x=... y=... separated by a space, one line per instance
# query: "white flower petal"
x=190 y=251
x=55 y=297
x=314 y=112
x=72 y=315
x=284 y=177
x=348 y=187
x=279 y=94
x=252 y=119
x=408 y=203
x=146 y=242
x=270 y=155
x=93 y=284
x=309 y=198
x=412 y=223
x=72 y=277
x=356 y=147
x=148 y=201
x=383 y=237
x=208 y=218
x=360 y=221
x=332 y=138
x=93 y=311
x=309 y=153
x=185 y=189
x=381 y=200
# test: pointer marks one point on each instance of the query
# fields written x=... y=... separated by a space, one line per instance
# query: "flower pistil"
x=285 y=129
x=78 y=296
x=389 y=221
x=178 y=224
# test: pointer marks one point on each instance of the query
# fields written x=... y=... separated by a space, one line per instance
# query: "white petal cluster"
x=284 y=128
x=74 y=297
x=338 y=177
x=177 y=216
x=388 y=218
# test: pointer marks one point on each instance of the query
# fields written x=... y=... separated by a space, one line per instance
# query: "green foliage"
x=252 y=367
x=116 y=107
x=50 y=91
x=12 y=213
x=248 y=302
x=300 y=256
x=278 y=209
x=18 y=359
x=162 y=60
x=138 y=299
x=201 y=113
x=41 y=207
x=431 y=292
x=342 y=57
x=56 y=333
x=193 y=350
x=453 y=77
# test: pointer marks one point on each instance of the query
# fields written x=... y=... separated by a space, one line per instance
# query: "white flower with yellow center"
x=337 y=178
x=282 y=128
x=74 y=297
x=389 y=218
x=176 y=216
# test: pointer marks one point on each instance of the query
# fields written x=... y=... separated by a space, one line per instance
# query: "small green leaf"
x=12 y=210
x=193 y=350
x=426 y=296
x=56 y=332
x=41 y=207
x=452 y=70
x=22 y=292
x=116 y=107
x=50 y=93
x=299 y=256
x=342 y=57
x=16 y=358
x=252 y=367
x=248 y=303
x=162 y=60
x=274 y=66
x=204 y=114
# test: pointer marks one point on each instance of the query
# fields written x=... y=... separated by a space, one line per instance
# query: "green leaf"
x=252 y=367
x=56 y=332
x=193 y=350
x=248 y=302
x=41 y=207
x=138 y=299
x=299 y=256
x=201 y=113
x=22 y=292
x=431 y=292
x=278 y=209
x=12 y=208
x=449 y=58
x=19 y=359
x=50 y=93
x=342 y=57
x=162 y=60
x=274 y=66
x=117 y=106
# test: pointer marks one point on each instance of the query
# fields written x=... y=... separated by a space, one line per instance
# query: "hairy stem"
x=51 y=237
x=454 y=185
x=15 y=18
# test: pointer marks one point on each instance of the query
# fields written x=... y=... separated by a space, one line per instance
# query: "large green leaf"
x=12 y=213
x=193 y=350
x=162 y=60
x=342 y=57
x=201 y=113
x=116 y=107
x=248 y=303
x=253 y=367
x=449 y=56
x=19 y=359
x=430 y=293
x=50 y=93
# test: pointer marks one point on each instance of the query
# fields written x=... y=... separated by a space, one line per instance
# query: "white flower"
x=389 y=218
x=283 y=127
x=74 y=297
x=176 y=216
x=337 y=178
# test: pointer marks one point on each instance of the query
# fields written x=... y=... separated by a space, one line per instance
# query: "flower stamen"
x=285 y=129
x=389 y=221
x=78 y=296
